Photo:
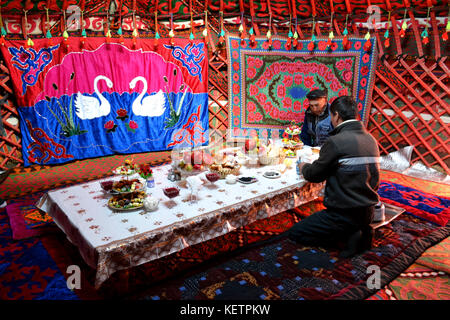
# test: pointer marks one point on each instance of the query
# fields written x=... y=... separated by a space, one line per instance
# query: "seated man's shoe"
x=353 y=245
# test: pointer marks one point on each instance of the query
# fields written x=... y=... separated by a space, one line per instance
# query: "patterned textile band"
x=359 y=160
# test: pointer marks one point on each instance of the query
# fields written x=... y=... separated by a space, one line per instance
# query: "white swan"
x=150 y=106
x=87 y=107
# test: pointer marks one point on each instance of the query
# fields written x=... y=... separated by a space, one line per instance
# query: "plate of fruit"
x=127 y=186
x=127 y=202
x=127 y=168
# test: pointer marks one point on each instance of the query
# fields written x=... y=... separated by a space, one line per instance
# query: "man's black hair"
x=345 y=106
x=316 y=94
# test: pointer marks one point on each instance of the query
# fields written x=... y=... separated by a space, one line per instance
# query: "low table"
x=113 y=240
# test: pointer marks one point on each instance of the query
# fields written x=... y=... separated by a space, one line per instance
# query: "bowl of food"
x=212 y=176
x=171 y=192
x=107 y=185
x=127 y=186
x=127 y=202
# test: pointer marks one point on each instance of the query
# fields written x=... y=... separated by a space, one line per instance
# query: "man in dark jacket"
x=349 y=162
x=317 y=123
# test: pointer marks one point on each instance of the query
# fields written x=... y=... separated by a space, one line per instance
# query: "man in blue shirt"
x=317 y=124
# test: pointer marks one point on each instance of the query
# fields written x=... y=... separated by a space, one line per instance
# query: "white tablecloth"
x=110 y=240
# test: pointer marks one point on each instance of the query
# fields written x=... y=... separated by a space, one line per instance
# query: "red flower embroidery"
x=236 y=88
x=251 y=107
x=362 y=94
x=258 y=63
x=363 y=82
x=236 y=111
x=297 y=106
x=287 y=81
x=276 y=44
x=340 y=65
x=309 y=82
x=287 y=103
x=347 y=75
x=236 y=76
x=110 y=126
x=281 y=91
x=133 y=125
x=366 y=58
x=236 y=122
x=261 y=83
x=253 y=90
x=298 y=79
x=258 y=116
x=364 y=70
x=261 y=98
x=251 y=73
x=122 y=114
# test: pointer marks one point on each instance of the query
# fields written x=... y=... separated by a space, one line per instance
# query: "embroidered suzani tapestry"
x=92 y=98
x=268 y=85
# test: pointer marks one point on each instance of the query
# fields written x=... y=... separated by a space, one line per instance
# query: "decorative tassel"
x=311 y=44
x=222 y=37
x=289 y=41
x=49 y=39
x=425 y=39
x=331 y=34
x=295 y=42
x=4 y=33
x=222 y=32
x=66 y=38
x=191 y=35
x=445 y=34
x=205 y=31
x=386 y=39
x=156 y=40
x=120 y=33
x=402 y=32
x=84 y=36
x=424 y=36
x=172 y=35
x=386 y=34
x=269 y=37
x=330 y=39
x=252 y=36
x=135 y=35
x=108 y=36
x=367 y=44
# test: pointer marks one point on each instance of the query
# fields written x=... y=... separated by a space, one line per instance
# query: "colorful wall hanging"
x=268 y=84
x=92 y=98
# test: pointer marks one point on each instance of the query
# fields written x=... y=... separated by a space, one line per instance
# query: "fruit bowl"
x=171 y=192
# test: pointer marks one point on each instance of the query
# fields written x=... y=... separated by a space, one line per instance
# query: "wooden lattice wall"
x=410 y=101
